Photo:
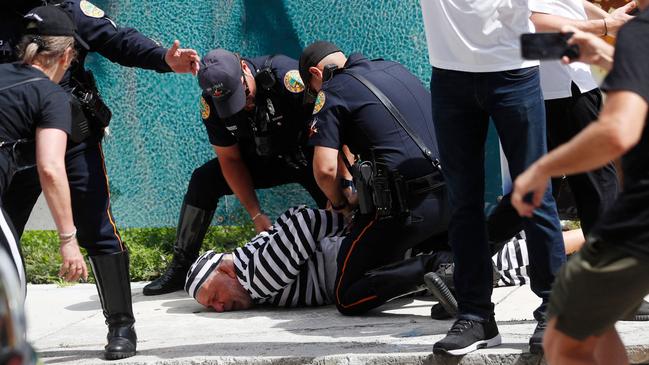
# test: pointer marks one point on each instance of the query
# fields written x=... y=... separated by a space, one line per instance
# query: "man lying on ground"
x=294 y=264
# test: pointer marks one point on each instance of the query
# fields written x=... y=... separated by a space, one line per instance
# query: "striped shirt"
x=512 y=262
x=292 y=264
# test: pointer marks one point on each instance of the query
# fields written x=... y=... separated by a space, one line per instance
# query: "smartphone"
x=547 y=46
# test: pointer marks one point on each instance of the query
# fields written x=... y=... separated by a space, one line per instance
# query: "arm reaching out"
x=182 y=60
x=50 y=157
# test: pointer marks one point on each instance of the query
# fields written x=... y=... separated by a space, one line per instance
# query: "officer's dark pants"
x=207 y=184
x=594 y=191
x=372 y=244
x=90 y=197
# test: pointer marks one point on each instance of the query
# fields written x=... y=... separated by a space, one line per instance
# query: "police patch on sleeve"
x=293 y=82
x=91 y=10
x=205 y=109
x=319 y=102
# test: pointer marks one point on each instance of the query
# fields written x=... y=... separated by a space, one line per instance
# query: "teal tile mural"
x=156 y=136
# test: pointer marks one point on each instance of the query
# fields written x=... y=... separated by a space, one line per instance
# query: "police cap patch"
x=91 y=10
x=293 y=82
x=319 y=102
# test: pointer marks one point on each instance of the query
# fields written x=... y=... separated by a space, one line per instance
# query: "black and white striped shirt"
x=512 y=262
x=292 y=264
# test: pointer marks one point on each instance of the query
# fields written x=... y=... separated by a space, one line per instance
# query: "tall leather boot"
x=192 y=227
x=114 y=288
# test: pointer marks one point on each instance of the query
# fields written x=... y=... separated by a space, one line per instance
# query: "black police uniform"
x=272 y=143
x=347 y=113
x=90 y=196
x=275 y=156
x=28 y=100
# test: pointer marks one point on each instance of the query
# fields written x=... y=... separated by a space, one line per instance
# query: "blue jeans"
x=463 y=103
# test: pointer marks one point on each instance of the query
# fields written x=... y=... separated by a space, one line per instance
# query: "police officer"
x=96 y=228
x=390 y=166
x=256 y=122
x=34 y=123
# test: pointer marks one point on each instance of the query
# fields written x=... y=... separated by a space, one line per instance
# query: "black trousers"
x=90 y=197
x=207 y=184
x=594 y=191
x=373 y=243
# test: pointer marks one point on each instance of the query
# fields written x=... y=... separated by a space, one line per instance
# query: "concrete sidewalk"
x=66 y=327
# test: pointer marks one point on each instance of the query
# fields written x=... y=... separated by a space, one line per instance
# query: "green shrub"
x=150 y=250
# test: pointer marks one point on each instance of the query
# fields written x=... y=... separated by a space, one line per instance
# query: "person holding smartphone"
x=609 y=276
x=573 y=100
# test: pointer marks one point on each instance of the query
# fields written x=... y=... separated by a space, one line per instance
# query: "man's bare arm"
x=238 y=177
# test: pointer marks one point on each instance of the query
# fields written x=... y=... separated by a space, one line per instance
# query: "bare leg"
x=565 y=350
x=610 y=349
x=573 y=240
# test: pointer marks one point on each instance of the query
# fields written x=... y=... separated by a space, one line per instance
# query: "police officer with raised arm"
x=256 y=122
x=89 y=190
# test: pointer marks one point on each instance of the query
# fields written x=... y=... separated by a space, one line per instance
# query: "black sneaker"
x=642 y=314
x=467 y=335
x=438 y=312
x=536 y=341
x=438 y=288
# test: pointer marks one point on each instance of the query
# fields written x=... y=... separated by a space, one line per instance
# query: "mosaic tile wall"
x=157 y=137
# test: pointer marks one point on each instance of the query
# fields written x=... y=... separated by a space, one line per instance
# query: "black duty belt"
x=425 y=184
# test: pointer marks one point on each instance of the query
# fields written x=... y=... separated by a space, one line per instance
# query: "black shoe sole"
x=118 y=355
x=636 y=318
x=492 y=342
x=437 y=287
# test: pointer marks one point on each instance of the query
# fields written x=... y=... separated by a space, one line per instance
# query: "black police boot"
x=114 y=288
x=192 y=227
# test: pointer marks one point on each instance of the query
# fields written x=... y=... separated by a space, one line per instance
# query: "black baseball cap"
x=312 y=55
x=51 y=21
x=220 y=77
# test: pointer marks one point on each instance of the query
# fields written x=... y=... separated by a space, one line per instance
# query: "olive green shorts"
x=598 y=286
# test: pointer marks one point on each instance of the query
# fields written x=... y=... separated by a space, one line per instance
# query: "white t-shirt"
x=476 y=35
x=556 y=78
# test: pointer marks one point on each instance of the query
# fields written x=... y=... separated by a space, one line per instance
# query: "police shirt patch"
x=91 y=10
x=293 y=82
x=205 y=109
x=319 y=102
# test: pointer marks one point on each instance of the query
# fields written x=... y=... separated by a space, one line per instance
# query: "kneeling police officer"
x=256 y=122
x=383 y=114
